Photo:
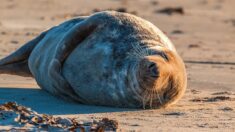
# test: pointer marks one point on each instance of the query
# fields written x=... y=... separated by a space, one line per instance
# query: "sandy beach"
x=202 y=31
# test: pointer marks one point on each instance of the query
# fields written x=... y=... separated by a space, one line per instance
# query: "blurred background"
x=203 y=32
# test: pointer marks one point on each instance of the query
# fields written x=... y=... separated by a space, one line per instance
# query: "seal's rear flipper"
x=17 y=62
x=19 y=68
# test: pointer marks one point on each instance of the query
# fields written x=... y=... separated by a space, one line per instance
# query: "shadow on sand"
x=43 y=102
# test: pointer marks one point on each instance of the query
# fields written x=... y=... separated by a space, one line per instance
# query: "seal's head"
x=162 y=78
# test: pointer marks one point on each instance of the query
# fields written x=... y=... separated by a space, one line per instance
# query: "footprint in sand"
x=223 y=93
x=177 y=31
x=226 y=109
x=174 y=114
x=171 y=10
x=195 y=91
x=213 y=99
x=14 y=42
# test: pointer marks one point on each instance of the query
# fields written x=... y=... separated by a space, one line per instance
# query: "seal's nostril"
x=153 y=70
x=152 y=65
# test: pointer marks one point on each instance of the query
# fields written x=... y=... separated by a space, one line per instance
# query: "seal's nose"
x=153 y=70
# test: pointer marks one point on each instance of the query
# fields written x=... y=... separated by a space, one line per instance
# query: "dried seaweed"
x=26 y=116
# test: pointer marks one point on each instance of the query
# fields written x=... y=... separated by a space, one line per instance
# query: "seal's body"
x=109 y=58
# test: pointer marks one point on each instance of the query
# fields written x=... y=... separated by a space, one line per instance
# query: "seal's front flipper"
x=17 y=62
x=68 y=43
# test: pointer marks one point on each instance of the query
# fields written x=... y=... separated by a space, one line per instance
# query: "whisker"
x=133 y=47
x=137 y=51
x=142 y=50
x=143 y=100
x=151 y=99
x=146 y=51
x=158 y=97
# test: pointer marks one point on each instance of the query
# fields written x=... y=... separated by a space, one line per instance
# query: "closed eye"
x=164 y=56
x=160 y=53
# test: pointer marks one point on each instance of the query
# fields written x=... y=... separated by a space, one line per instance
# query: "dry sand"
x=203 y=35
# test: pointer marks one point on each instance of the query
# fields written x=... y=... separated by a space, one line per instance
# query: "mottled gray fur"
x=93 y=59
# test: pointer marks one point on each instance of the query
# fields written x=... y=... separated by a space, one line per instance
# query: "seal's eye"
x=153 y=70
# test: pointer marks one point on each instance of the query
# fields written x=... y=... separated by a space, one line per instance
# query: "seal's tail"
x=19 y=68
x=17 y=62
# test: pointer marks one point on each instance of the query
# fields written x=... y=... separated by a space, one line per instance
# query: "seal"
x=108 y=58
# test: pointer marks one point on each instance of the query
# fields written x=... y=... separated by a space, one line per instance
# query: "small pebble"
x=14 y=42
x=174 y=113
x=227 y=109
